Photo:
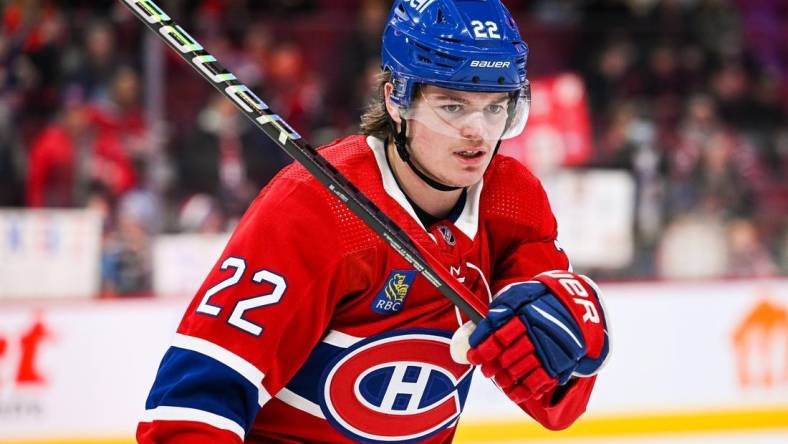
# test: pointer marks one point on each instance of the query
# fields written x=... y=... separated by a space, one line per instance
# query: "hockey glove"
x=538 y=334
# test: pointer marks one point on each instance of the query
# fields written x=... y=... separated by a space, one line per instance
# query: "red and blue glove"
x=539 y=334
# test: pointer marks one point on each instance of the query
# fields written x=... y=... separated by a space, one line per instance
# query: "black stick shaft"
x=290 y=141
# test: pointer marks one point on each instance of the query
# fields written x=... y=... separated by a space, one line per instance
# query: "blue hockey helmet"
x=469 y=45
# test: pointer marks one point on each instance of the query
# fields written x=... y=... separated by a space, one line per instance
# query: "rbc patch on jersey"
x=391 y=297
x=400 y=387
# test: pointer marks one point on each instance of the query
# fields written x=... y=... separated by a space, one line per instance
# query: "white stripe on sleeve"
x=299 y=402
x=339 y=339
x=167 y=413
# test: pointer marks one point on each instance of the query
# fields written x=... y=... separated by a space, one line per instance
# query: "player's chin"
x=465 y=178
x=463 y=173
x=469 y=174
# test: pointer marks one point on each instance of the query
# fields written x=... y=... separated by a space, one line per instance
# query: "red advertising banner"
x=558 y=132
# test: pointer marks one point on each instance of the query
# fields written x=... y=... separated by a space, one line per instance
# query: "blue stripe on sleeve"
x=306 y=382
x=190 y=379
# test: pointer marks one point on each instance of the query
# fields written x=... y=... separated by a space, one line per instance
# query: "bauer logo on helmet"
x=489 y=64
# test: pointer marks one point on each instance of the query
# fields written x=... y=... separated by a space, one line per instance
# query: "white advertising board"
x=80 y=370
x=182 y=261
x=49 y=253
x=595 y=212
x=689 y=346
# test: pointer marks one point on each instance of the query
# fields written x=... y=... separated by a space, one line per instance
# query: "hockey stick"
x=290 y=141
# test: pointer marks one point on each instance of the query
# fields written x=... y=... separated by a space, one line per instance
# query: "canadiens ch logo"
x=391 y=297
x=400 y=387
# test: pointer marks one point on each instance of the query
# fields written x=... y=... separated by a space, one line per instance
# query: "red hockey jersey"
x=310 y=328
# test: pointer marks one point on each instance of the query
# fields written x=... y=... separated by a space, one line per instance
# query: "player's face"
x=453 y=133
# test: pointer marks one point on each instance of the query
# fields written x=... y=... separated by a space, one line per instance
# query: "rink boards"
x=688 y=357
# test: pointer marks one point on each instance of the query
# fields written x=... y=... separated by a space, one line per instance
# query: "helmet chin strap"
x=401 y=142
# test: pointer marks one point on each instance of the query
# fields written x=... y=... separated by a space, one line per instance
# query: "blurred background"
x=659 y=128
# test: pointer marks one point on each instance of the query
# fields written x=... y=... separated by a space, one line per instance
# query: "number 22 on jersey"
x=236 y=318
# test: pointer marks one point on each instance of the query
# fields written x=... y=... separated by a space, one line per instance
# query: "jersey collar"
x=468 y=219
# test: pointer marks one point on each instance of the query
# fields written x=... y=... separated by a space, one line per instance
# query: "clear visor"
x=471 y=115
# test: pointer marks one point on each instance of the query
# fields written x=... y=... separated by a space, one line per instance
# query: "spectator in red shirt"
x=70 y=153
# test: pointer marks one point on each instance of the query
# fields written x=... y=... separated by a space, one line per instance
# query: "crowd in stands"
x=689 y=96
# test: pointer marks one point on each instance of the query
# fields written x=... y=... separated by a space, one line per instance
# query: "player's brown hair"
x=375 y=120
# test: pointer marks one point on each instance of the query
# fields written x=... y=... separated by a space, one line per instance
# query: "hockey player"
x=312 y=329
